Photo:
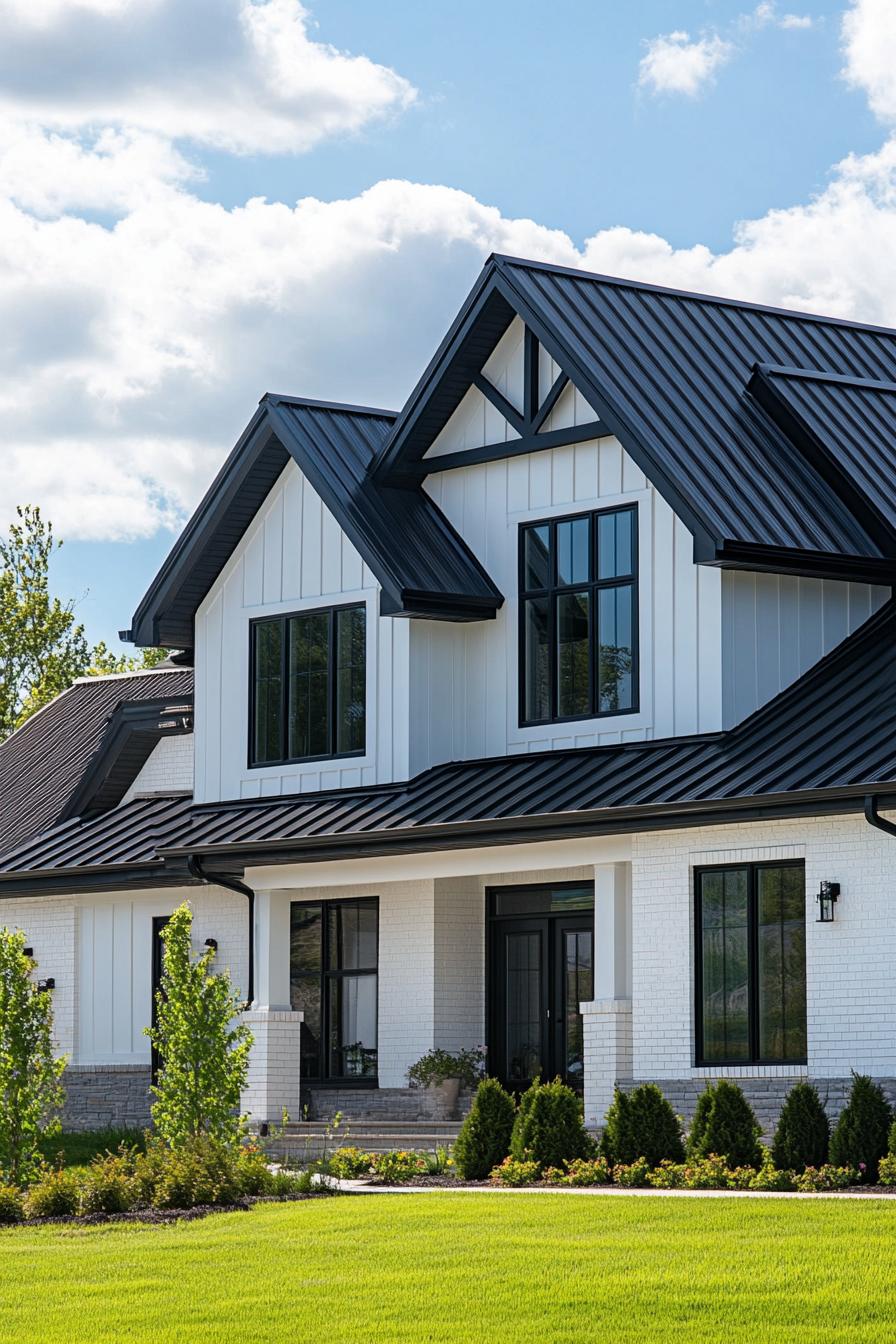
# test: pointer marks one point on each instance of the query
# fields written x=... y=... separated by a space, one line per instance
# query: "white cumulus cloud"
x=674 y=63
x=869 y=37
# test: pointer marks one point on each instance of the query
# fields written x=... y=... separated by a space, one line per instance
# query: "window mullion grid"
x=285 y=687
x=332 y=681
x=753 y=963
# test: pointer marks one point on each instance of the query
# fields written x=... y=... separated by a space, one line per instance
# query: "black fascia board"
x=151 y=627
x=134 y=728
x=111 y=878
x=485 y=309
x=802 y=564
x=763 y=391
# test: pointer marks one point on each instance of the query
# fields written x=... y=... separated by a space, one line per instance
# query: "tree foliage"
x=729 y=1127
x=204 y=1048
x=861 y=1134
x=30 y=1090
x=42 y=646
x=548 y=1128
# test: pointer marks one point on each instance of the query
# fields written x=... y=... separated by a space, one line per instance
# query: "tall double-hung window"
x=751 y=964
x=308 y=686
x=579 y=616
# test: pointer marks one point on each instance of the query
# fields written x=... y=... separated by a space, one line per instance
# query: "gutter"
x=194 y=864
x=873 y=817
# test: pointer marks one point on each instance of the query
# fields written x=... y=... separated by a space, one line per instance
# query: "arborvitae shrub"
x=698 y=1124
x=860 y=1135
x=549 y=1128
x=484 y=1138
x=804 y=1132
x=729 y=1128
x=642 y=1124
x=891 y=1145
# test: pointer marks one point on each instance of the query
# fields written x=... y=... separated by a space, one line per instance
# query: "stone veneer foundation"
x=99 y=1096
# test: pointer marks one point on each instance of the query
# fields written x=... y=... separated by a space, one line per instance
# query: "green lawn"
x=464 y=1267
x=77 y=1149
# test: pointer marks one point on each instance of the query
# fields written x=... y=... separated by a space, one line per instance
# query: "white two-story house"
x=554 y=713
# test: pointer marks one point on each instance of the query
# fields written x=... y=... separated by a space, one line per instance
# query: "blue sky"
x=151 y=307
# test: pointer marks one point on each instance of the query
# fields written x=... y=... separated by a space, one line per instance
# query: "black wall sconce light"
x=28 y=952
x=212 y=943
x=44 y=986
x=827 y=895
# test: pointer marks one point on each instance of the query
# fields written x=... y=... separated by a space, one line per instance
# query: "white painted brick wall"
x=607 y=1025
x=169 y=768
x=459 y=996
x=49 y=928
x=272 y=1085
x=851 y=988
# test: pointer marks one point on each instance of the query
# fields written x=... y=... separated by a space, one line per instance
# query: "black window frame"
x=327 y=976
x=754 y=1057
x=594 y=586
x=283 y=621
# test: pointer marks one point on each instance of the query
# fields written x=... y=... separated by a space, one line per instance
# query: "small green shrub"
x=708 y=1173
x=56 y=1194
x=860 y=1136
x=827 y=1177
x=295 y=1183
x=440 y=1162
x=694 y=1145
x=348 y=1164
x=12 y=1208
x=641 y=1123
x=513 y=1171
x=484 y=1138
x=886 y=1170
x=252 y=1172
x=729 y=1128
x=393 y=1168
x=668 y=1176
x=549 y=1128
x=108 y=1185
x=201 y=1171
x=581 y=1171
x=632 y=1174
x=770 y=1177
x=803 y=1134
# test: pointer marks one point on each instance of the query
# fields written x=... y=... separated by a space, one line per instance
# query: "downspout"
x=873 y=817
x=194 y=864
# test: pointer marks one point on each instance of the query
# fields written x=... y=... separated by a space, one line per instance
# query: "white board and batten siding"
x=293 y=558
x=714 y=645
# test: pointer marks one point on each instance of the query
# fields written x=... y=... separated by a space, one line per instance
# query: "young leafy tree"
x=204 y=1048
x=30 y=1090
x=42 y=647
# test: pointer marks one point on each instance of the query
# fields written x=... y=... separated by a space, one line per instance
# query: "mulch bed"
x=149 y=1215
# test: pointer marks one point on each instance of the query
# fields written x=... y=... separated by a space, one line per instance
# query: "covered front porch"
x=523 y=950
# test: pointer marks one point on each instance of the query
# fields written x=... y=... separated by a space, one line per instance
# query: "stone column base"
x=607 y=1027
x=272 y=1086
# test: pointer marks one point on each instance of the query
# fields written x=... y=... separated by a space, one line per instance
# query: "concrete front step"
x=310 y=1140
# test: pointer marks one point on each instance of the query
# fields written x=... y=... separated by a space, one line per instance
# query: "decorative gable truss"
x=525 y=411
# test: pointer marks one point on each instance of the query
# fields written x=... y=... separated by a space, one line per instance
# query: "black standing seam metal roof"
x=422 y=564
x=820 y=745
x=667 y=371
x=43 y=762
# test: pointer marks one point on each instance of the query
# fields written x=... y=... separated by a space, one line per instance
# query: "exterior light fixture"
x=28 y=952
x=827 y=895
x=212 y=943
x=44 y=986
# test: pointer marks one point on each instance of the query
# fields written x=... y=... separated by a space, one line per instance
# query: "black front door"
x=541 y=969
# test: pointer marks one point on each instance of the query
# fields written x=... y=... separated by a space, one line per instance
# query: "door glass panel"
x=542 y=900
x=573 y=664
x=723 y=908
x=579 y=988
x=523 y=1009
x=781 y=984
x=352 y=1052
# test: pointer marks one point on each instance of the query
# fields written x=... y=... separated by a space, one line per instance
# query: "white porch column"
x=273 y=1083
x=607 y=1020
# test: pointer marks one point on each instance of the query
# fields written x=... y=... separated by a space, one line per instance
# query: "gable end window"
x=308 y=686
x=579 y=616
x=751 y=964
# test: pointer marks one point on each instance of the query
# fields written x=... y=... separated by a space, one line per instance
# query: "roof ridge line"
x=824 y=376
x=501 y=260
x=315 y=403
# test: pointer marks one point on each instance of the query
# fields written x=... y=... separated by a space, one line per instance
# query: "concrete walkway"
x=363 y=1188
